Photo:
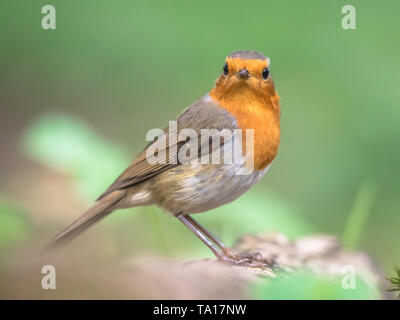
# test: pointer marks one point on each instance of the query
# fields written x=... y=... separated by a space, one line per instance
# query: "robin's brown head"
x=246 y=69
x=245 y=79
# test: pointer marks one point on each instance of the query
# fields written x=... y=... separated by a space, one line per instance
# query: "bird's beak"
x=243 y=73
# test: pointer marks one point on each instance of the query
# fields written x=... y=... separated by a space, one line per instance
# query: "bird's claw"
x=247 y=259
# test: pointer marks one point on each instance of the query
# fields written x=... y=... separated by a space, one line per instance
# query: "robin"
x=243 y=99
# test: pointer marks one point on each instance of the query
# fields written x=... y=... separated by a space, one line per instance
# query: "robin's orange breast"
x=259 y=113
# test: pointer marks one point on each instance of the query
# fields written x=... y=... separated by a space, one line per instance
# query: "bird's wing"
x=203 y=114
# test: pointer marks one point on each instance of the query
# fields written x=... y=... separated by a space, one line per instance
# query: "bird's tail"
x=95 y=213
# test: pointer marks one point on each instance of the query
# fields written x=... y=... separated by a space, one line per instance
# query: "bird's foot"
x=247 y=259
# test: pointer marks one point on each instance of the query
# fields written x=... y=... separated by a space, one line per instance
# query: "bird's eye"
x=265 y=73
x=225 y=69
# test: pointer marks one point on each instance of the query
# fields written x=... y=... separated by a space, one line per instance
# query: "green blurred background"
x=76 y=103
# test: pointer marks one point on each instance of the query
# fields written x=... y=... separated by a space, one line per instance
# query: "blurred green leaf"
x=358 y=215
x=308 y=286
x=71 y=146
x=14 y=225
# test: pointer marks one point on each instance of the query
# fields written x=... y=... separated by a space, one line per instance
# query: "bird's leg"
x=226 y=252
x=213 y=238
x=222 y=252
x=187 y=222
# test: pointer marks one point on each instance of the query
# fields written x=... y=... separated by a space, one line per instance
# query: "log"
x=320 y=256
